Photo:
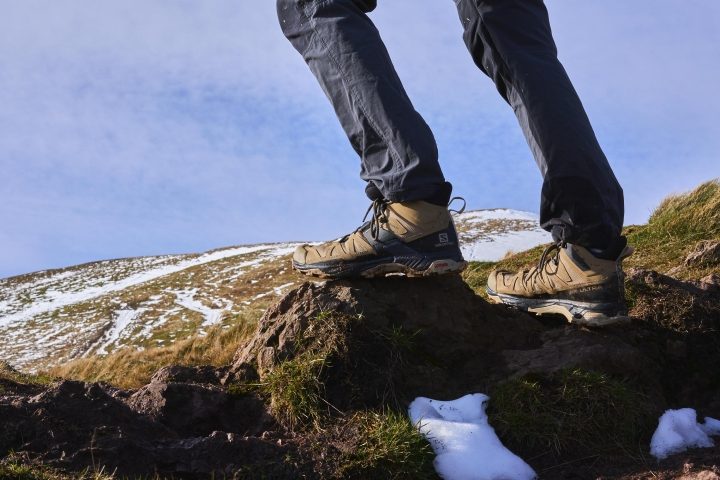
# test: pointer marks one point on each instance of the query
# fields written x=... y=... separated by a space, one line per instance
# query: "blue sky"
x=143 y=127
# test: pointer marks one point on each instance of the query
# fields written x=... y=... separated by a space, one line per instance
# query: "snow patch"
x=679 y=430
x=492 y=249
x=478 y=216
x=186 y=299
x=466 y=446
x=488 y=235
x=122 y=320
x=279 y=290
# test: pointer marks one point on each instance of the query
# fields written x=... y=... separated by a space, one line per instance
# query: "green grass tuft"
x=571 y=412
x=11 y=468
x=391 y=448
x=296 y=386
x=8 y=373
x=296 y=390
x=674 y=229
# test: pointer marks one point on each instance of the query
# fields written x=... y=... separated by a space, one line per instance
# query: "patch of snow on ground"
x=482 y=240
x=152 y=325
x=279 y=290
x=679 y=430
x=466 y=446
x=494 y=248
x=122 y=320
x=496 y=214
x=186 y=298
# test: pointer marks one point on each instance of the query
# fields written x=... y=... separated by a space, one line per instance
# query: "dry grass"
x=131 y=368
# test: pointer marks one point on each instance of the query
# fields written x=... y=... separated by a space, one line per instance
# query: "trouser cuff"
x=437 y=195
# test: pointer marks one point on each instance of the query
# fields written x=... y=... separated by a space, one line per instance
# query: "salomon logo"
x=443 y=238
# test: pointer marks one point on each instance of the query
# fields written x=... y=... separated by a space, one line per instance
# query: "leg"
x=343 y=49
x=511 y=42
x=410 y=230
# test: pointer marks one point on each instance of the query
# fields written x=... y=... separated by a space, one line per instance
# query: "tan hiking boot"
x=414 y=238
x=586 y=289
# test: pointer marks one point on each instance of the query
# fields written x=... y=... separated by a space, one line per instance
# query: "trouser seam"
x=394 y=156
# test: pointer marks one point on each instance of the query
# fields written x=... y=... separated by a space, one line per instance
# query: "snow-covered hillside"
x=488 y=235
x=50 y=317
x=53 y=316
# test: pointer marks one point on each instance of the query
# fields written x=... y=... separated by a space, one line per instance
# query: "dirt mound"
x=320 y=390
x=188 y=430
x=400 y=338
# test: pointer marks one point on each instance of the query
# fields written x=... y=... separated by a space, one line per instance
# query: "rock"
x=710 y=282
x=227 y=455
x=705 y=253
x=568 y=348
x=701 y=475
x=71 y=417
x=381 y=343
x=75 y=426
x=192 y=409
x=201 y=374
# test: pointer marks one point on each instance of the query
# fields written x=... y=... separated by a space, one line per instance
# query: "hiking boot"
x=414 y=238
x=586 y=289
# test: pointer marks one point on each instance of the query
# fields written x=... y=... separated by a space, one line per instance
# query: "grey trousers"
x=511 y=42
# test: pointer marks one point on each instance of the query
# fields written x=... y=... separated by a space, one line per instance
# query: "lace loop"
x=379 y=216
x=534 y=275
x=462 y=209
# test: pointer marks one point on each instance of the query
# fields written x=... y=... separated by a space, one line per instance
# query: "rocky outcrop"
x=706 y=252
x=456 y=342
x=192 y=410
x=414 y=336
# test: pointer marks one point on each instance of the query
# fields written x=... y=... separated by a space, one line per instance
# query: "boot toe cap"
x=300 y=254
x=492 y=281
x=498 y=281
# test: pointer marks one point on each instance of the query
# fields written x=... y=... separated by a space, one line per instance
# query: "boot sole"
x=580 y=313
x=382 y=269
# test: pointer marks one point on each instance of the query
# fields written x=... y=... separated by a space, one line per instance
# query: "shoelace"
x=537 y=272
x=462 y=209
x=379 y=216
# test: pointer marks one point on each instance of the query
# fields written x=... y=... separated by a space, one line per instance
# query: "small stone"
x=710 y=282
x=703 y=475
x=706 y=252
